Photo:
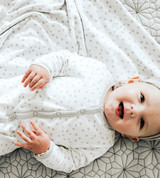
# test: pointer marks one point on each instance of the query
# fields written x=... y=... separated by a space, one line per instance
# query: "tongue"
x=121 y=110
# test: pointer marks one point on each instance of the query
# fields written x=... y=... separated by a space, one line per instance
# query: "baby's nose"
x=132 y=114
x=134 y=111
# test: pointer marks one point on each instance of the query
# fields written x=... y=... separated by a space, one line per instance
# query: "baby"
x=75 y=116
x=133 y=110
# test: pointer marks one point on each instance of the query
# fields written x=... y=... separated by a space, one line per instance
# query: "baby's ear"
x=132 y=80
x=135 y=139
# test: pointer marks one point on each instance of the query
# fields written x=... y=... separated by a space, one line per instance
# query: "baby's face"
x=134 y=109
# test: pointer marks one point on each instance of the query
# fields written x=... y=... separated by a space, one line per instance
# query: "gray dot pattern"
x=125 y=159
x=69 y=110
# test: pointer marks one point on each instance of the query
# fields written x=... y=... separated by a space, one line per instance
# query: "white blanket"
x=100 y=29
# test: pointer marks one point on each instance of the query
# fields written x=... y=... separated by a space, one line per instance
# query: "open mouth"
x=121 y=110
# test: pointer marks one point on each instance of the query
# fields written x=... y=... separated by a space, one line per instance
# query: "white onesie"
x=69 y=109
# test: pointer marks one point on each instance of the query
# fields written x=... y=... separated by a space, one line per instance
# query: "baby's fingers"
x=43 y=86
x=29 y=133
x=34 y=81
x=29 y=79
x=38 y=85
x=22 y=145
x=26 y=75
x=37 y=130
x=23 y=136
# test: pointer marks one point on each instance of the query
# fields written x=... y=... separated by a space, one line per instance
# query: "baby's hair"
x=153 y=81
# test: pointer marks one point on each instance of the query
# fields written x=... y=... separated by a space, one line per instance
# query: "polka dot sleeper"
x=69 y=109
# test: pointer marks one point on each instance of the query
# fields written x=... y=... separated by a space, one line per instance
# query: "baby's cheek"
x=126 y=128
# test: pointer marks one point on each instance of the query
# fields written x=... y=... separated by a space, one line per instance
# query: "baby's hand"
x=36 y=76
x=36 y=141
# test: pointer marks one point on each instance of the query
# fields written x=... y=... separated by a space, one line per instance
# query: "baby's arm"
x=45 y=67
x=65 y=159
x=36 y=77
x=57 y=157
x=36 y=141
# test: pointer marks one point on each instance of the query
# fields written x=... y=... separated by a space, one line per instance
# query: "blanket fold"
x=100 y=29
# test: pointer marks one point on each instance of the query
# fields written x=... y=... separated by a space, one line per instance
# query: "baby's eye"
x=141 y=123
x=142 y=98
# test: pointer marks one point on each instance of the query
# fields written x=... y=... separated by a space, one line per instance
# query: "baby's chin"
x=111 y=120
